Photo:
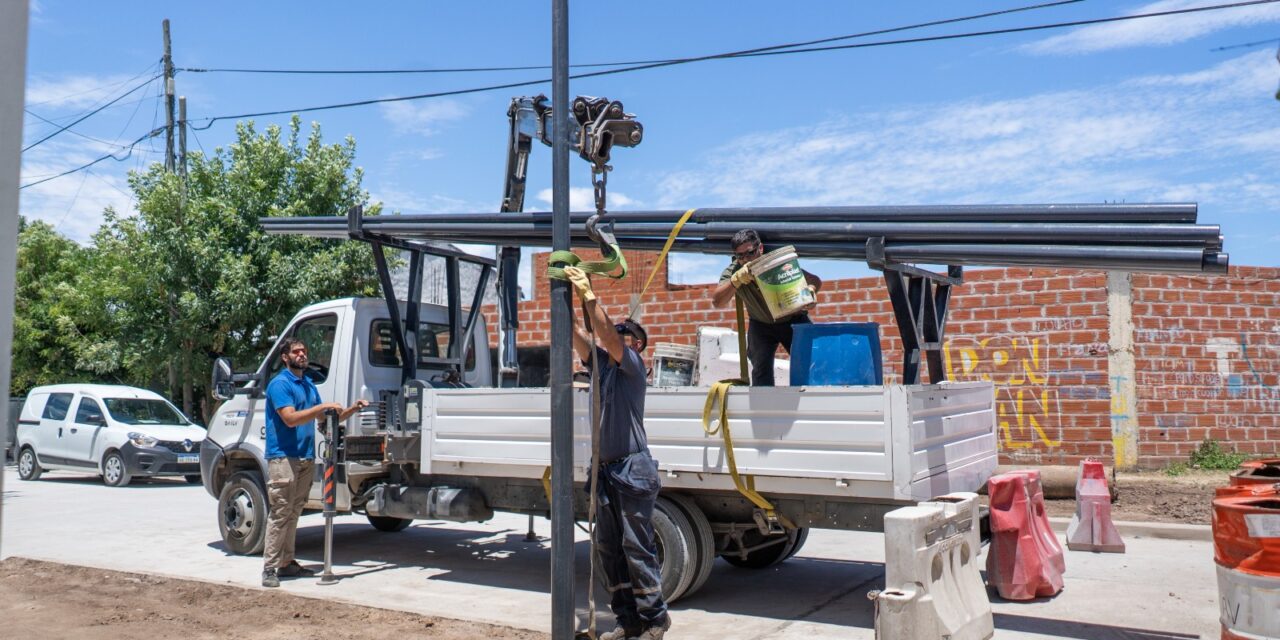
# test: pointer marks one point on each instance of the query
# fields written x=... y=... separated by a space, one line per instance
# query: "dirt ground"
x=1154 y=496
x=57 y=601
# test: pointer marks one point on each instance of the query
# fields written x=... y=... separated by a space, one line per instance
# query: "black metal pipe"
x=776 y=233
x=1176 y=213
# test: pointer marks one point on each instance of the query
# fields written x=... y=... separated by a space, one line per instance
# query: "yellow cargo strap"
x=719 y=394
x=613 y=260
x=671 y=239
x=546 y=484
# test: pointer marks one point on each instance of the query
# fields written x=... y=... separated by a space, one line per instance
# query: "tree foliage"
x=191 y=276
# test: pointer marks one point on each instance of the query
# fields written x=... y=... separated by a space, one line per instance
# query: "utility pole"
x=168 y=101
x=182 y=140
x=13 y=75
x=562 y=569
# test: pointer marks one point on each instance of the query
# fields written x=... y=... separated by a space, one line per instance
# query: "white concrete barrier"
x=933 y=586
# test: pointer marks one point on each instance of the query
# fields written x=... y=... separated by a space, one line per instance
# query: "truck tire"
x=29 y=465
x=389 y=524
x=242 y=513
x=765 y=557
x=115 y=473
x=677 y=549
x=802 y=534
x=704 y=540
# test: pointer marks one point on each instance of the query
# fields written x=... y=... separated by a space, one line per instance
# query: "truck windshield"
x=143 y=411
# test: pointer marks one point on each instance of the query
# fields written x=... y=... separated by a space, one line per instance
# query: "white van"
x=116 y=431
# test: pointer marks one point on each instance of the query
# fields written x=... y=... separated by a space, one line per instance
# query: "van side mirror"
x=96 y=419
x=224 y=381
x=221 y=384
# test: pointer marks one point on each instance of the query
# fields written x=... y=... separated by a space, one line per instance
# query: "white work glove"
x=581 y=283
x=742 y=277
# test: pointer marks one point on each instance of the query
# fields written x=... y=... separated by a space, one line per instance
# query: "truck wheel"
x=389 y=524
x=763 y=557
x=704 y=539
x=28 y=466
x=677 y=551
x=802 y=534
x=194 y=479
x=114 y=471
x=242 y=514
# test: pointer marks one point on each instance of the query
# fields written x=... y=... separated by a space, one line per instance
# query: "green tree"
x=191 y=276
x=52 y=343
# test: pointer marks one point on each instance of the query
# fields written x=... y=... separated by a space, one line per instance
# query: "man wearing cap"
x=628 y=475
x=764 y=334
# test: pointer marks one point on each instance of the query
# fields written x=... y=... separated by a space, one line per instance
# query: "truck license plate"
x=188 y=459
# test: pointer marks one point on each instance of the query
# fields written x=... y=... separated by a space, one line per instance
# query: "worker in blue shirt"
x=293 y=404
x=628 y=475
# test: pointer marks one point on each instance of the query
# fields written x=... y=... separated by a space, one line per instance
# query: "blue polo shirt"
x=283 y=441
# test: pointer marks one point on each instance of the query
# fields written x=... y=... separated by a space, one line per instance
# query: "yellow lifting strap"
x=671 y=239
x=719 y=395
x=613 y=260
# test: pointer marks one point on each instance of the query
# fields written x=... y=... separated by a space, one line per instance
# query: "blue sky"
x=1139 y=111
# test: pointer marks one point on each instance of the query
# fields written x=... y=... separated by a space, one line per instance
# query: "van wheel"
x=389 y=524
x=242 y=514
x=28 y=466
x=114 y=471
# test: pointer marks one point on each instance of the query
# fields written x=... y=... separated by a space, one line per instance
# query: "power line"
x=1247 y=44
x=76 y=133
x=98 y=88
x=87 y=115
x=765 y=51
x=146 y=136
x=630 y=62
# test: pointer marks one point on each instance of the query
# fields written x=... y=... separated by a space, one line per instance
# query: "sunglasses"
x=748 y=253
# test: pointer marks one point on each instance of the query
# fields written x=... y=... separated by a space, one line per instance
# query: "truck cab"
x=353 y=355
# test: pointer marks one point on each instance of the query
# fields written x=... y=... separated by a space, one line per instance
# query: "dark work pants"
x=763 y=339
x=626 y=543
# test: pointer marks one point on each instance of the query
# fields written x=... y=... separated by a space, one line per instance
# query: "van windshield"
x=143 y=411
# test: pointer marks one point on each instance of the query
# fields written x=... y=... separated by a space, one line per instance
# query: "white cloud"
x=1152 y=138
x=423 y=118
x=74 y=203
x=1159 y=31
x=584 y=199
x=72 y=91
x=694 y=268
x=394 y=198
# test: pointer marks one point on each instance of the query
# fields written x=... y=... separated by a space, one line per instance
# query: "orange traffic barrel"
x=1246 y=550
x=1264 y=471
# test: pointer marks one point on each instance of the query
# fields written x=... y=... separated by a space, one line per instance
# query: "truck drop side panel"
x=880 y=443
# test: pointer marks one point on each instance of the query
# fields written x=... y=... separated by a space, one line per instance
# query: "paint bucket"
x=782 y=283
x=673 y=364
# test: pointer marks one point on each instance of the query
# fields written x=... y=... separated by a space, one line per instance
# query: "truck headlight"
x=142 y=440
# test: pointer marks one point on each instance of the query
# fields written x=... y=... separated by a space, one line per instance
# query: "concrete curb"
x=1165 y=530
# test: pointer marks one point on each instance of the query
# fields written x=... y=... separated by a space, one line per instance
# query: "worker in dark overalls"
x=628 y=475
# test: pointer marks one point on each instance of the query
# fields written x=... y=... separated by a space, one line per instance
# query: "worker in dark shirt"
x=764 y=335
x=628 y=475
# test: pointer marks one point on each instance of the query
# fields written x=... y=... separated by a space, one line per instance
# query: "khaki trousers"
x=288 y=483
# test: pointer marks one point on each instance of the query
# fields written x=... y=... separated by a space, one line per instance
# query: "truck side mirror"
x=221 y=384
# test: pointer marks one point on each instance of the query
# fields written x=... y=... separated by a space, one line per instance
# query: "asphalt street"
x=1160 y=589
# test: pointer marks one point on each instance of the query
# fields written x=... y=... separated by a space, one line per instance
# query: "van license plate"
x=188 y=459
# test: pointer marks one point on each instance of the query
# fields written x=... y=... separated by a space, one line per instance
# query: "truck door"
x=84 y=431
x=51 y=441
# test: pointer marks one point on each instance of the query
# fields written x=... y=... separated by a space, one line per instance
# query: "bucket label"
x=1263 y=525
x=782 y=283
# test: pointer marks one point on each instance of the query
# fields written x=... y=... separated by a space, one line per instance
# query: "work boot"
x=619 y=633
x=295 y=570
x=270 y=578
x=656 y=631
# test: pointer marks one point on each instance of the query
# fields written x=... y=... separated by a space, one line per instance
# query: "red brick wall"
x=1042 y=336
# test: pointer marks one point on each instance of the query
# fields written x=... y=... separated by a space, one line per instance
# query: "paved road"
x=1159 y=590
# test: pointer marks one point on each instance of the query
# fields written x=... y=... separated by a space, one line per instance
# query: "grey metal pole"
x=562 y=569
x=13 y=74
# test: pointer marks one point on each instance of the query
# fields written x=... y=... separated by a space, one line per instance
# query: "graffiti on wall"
x=1243 y=367
x=1028 y=409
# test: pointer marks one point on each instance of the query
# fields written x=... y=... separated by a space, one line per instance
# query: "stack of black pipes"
x=1136 y=237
